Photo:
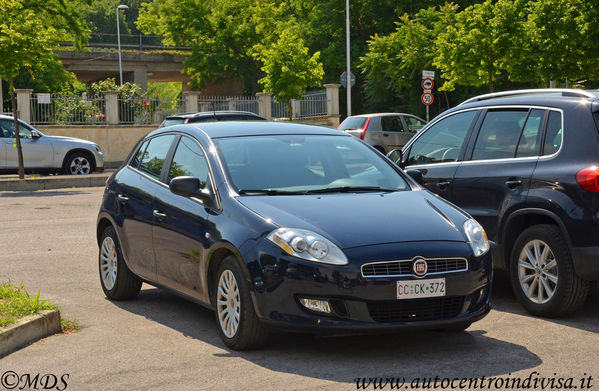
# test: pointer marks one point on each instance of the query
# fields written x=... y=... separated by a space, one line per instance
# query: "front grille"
x=404 y=268
x=413 y=310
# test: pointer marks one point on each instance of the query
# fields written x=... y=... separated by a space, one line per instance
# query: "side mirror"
x=396 y=156
x=188 y=186
x=35 y=134
x=417 y=176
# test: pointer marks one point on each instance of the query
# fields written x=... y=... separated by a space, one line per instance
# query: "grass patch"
x=16 y=303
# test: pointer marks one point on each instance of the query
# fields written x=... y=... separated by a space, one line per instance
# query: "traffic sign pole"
x=348 y=61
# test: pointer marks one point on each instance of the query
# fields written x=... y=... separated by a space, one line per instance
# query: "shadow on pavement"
x=342 y=359
x=587 y=318
x=41 y=193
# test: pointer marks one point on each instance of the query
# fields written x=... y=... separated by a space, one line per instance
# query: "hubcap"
x=537 y=271
x=80 y=166
x=227 y=303
x=108 y=263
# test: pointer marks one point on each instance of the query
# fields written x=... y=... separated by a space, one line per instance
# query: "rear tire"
x=236 y=319
x=118 y=282
x=542 y=273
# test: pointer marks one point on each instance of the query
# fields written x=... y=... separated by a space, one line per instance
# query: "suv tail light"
x=186 y=121
x=365 y=128
x=588 y=179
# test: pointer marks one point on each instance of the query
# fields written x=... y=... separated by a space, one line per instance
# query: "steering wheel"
x=446 y=152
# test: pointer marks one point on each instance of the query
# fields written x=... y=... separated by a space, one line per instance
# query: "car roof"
x=249 y=128
x=211 y=114
x=380 y=114
x=552 y=97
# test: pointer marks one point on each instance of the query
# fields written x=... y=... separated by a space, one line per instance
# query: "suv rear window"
x=499 y=135
x=353 y=123
x=553 y=134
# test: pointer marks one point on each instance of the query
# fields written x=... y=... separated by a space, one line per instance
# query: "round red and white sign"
x=427 y=84
x=427 y=98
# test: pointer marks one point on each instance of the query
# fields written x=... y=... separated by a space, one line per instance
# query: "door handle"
x=158 y=215
x=122 y=198
x=442 y=184
x=513 y=183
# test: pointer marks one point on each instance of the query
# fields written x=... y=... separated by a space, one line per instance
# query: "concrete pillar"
x=140 y=77
x=112 y=107
x=295 y=108
x=231 y=102
x=265 y=105
x=333 y=103
x=24 y=104
x=191 y=101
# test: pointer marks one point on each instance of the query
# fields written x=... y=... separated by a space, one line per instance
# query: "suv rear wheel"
x=542 y=273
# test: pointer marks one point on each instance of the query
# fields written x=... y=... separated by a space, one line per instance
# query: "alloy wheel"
x=228 y=303
x=537 y=271
x=80 y=166
x=108 y=262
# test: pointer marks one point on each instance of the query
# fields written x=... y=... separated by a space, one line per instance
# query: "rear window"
x=175 y=121
x=553 y=133
x=353 y=123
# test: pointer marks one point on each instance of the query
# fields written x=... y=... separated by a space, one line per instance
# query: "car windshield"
x=353 y=123
x=300 y=164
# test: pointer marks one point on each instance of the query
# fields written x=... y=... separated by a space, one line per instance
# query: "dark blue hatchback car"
x=292 y=227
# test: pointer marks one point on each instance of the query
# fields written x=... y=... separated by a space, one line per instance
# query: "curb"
x=54 y=182
x=29 y=329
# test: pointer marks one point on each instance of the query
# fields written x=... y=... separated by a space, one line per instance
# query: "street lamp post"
x=348 y=84
x=118 y=34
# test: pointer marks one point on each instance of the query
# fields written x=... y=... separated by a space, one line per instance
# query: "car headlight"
x=97 y=147
x=307 y=245
x=477 y=237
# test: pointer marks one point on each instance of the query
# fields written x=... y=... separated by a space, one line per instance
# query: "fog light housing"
x=316 y=305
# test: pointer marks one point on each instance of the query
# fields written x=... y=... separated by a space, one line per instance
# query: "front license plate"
x=414 y=289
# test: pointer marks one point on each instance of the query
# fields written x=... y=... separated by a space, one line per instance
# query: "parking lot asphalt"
x=162 y=342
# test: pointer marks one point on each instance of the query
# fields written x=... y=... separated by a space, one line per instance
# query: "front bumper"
x=99 y=157
x=359 y=304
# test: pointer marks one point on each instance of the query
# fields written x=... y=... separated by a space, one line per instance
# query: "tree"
x=289 y=68
x=28 y=34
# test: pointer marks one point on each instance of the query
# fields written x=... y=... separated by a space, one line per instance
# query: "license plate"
x=413 y=289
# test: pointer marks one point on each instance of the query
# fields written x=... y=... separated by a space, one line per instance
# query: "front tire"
x=118 y=282
x=542 y=273
x=78 y=163
x=238 y=325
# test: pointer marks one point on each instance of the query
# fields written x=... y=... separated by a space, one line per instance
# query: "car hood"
x=352 y=220
x=70 y=140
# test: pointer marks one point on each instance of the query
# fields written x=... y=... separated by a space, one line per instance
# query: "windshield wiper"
x=269 y=192
x=349 y=189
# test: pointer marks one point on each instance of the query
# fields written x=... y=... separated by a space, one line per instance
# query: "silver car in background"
x=384 y=131
x=43 y=153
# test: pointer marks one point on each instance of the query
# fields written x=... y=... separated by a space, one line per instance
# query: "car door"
x=136 y=186
x=393 y=132
x=37 y=152
x=501 y=159
x=438 y=150
x=183 y=229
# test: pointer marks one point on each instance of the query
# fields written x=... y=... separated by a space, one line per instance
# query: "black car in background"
x=211 y=116
x=525 y=165
x=289 y=227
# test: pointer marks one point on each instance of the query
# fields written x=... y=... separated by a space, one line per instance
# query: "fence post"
x=265 y=105
x=296 y=108
x=24 y=104
x=333 y=103
x=191 y=101
x=112 y=107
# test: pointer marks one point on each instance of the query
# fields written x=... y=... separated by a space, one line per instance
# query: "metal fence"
x=51 y=109
x=148 y=111
x=312 y=104
x=234 y=103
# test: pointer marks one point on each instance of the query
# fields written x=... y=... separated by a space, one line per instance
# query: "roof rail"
x=563 y=91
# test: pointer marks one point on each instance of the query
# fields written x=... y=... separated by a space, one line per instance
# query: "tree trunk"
x=290 y=110
x=13 y=101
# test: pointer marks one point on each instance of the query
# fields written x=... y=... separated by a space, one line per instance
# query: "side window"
x=155 y=154
x=189 y=160
x=499 y=135
x=24 y=130
x=6 y=130
x=531 y=135
x=137 y=158
x=442 y=141
x=553 y=134
x=391 y=124
x=414 y=124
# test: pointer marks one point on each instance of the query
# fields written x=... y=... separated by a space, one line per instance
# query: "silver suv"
x=384 y=131
x=47 y=153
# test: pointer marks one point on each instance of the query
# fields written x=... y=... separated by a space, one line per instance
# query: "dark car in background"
x=211 y=116
x=525 y=165
x=289 y=227
x=384 y=131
